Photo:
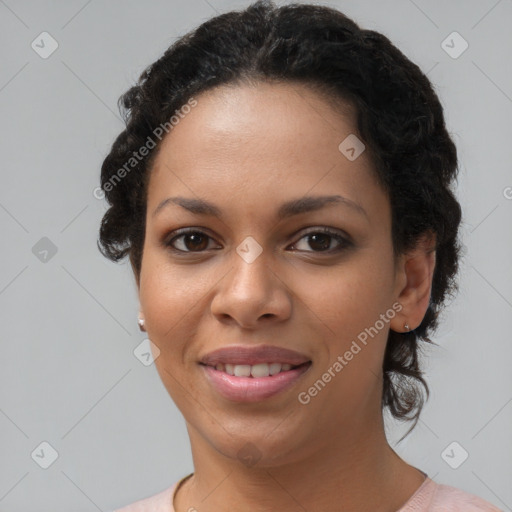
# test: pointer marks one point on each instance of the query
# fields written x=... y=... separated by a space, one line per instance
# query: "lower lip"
x=251 y=389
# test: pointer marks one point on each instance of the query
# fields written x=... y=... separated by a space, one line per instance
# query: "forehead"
x=275 y=116
x=264 y=141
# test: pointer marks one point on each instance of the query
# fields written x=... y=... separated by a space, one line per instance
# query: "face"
x=248 y=150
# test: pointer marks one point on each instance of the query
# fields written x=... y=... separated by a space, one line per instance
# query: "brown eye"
x=188 y=240
x=193 y=241
x=320 y=240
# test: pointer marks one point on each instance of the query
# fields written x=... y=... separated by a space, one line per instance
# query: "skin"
x=248 y=149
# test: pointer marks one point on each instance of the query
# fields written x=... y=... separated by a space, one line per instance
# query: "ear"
x=414 y=283
x=135 y=273
x=137 y=283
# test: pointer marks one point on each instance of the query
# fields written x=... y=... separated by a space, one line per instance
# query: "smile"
x=255 y=370
x=253 y=383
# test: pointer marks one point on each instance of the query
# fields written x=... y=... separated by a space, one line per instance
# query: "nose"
x=252 y=292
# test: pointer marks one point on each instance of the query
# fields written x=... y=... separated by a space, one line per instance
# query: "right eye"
x=193 y=240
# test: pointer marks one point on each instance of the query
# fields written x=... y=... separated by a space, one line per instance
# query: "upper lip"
x=242 y=354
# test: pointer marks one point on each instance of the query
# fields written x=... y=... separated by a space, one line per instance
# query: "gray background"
x=68 y=371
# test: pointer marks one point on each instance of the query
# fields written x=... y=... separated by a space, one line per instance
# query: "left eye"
x=318 y=238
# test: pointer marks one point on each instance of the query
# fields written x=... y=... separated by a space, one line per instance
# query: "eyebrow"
x=286 y=210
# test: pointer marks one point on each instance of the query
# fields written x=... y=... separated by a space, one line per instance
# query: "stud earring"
x=407 y=327
x=141 y=325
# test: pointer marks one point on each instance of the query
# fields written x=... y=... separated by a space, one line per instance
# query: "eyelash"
x=343 y=241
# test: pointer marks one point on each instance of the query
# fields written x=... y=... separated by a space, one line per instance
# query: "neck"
x=357 y=470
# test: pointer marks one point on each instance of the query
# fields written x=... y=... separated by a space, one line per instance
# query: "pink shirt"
x=429 y=497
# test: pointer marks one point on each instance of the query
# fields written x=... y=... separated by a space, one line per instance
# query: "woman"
x=283 y=192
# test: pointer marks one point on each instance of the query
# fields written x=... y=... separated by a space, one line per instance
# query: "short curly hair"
x=399 y=117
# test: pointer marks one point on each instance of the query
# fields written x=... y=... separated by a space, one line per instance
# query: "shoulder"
x=452 y=499
x=161 y=502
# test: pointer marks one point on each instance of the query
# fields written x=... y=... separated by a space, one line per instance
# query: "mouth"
x=243 y=355
x=253 y=383
x=260 y=370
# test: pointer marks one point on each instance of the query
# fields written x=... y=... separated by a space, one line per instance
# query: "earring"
x=141 y=325
x=407 y=327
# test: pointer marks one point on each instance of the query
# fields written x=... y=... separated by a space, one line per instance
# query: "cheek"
x=352 y=295
x=170 y=296
x=351 y=339
x=347 y=305
x=171 y=300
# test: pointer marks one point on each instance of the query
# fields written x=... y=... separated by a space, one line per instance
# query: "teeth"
x=274 y=368
x=242 y=370
x=256 y=370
